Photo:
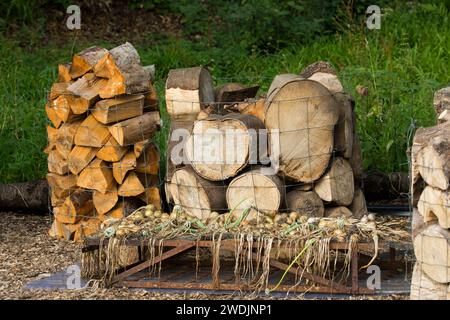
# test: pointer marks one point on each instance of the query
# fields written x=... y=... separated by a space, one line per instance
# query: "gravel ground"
x=28 y=253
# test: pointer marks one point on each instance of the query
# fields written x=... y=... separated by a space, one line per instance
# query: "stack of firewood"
x=430 y=187
x=311 y=145
x=102 y=163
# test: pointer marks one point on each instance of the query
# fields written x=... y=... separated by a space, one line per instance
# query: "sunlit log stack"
x=102 y=162
x=430 y=189
x=311 y=142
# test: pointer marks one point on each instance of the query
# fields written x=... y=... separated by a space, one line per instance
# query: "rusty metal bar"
x=148 y=264
x=354 y=269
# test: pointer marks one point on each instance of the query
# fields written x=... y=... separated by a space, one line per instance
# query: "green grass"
x=402 y=65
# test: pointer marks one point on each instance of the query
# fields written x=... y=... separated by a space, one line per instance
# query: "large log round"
x=305 y=203
x=198 y=196
x=300 y=116
x=218 y=149
x=263 y=194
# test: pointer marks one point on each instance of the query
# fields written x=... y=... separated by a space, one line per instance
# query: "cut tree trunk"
x=382 y=186
x=300 y=116
x=198 y=196
x=356 y=160
x=433 y=160
x=337 y=184
x=188 y=91
x=421 y=139
x=136 y=129
x=180 y=129
x=441 y=100
x=85 y=60
x=444 y=116
x=435 y=204
x=424 y=288
x=124 y=73
x=29 y=196
x=432 y=250
x=324 y=73
x=358 y=206
x=119 y=108
x=262 y=194
x=218 y=149
x=343 y=132
x=91 y=133
x=305 y=203
x=337 y=212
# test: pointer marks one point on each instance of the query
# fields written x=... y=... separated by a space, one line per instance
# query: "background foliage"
x=247 y=41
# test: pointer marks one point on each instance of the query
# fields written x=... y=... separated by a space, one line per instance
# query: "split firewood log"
x=76 y=206
x=66 y=182
x=337 y=185
x=135 y=184
x=188 y=91
x=435 y=204
x=262 y=194
x=58 y=89
x=254 y=107
x=148 y=159
x=300 y=116
x=29 y=196
x=231 y=94
x=424 y=288
x=52 y=116
x=92 y=133
x=104 y=202
x=305 y=203
x=136 y=129
x=88 y=87
x=121 y=168
x=97 y=176
x=218 y=149
x=118 y=108
x=123 y=208
x=197 y=196
x=57 y=163
x=124 y=73
x=111 y=151
x=85 y=60
x=80 y=157
x=64 y=72
x=324 y=73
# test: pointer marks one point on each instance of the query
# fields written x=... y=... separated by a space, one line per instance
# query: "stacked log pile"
x=102 y=163
x=311 y=144
x=430 y=189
